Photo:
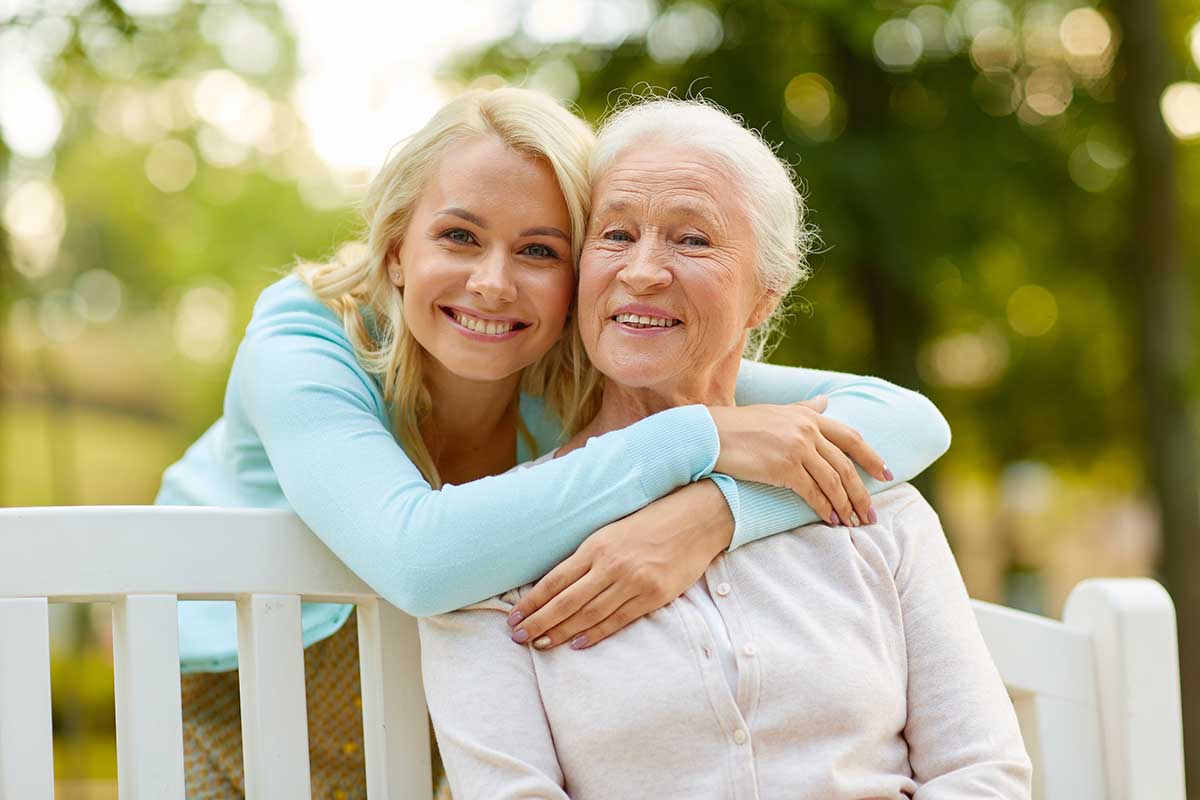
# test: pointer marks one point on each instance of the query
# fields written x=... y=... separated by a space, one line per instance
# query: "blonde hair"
x=358 y=287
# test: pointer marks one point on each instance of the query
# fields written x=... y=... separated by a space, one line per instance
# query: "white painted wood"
x=1132 y=625
x=26 y=746
x=1097 y=694
x=1050 y=669
x=271 y=682
x=92 y=554
x=146 y=677
x=395 y=722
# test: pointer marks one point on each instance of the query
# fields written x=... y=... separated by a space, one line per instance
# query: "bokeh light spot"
x=683 y=31
x=1032 y=310
x=202 y=321
x=170 y=165
x=1180 y=104
x=898 y=45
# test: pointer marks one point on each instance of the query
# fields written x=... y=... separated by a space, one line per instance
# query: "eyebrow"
x=462 y=213
x=682 y=208
x=475 y=219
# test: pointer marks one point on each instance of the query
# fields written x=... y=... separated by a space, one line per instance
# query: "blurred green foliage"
x=967 y=163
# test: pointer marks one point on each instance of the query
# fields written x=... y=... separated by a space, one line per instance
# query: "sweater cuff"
x=673 y=448
x=765 y=510
x=729 y=488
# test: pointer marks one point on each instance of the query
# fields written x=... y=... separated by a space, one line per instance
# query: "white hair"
x=766 y=183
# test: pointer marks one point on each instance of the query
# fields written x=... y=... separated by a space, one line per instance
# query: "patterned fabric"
x=212 y=735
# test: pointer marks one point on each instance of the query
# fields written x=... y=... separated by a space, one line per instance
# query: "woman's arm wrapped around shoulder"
x=902 y=427
x=322 y=421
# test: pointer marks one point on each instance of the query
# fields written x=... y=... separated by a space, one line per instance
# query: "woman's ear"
x=763 y=309
x=395 y=273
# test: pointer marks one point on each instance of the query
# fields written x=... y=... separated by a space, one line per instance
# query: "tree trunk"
x=1163 y=340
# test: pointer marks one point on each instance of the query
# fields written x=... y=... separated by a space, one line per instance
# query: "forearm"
x=902 y=426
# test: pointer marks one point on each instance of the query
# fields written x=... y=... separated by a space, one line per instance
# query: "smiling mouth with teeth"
x=643 y=321
x=487 y=327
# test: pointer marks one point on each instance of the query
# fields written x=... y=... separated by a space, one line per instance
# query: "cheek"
x=550 y=294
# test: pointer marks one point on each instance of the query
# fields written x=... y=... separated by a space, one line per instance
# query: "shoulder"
x=290 y=301
x=295 y=343
x=908 y=525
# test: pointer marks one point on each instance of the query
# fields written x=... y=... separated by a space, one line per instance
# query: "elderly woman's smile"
x=669 y=267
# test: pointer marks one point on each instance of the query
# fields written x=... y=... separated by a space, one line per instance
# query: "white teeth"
x=636 y=319
x=489 y=328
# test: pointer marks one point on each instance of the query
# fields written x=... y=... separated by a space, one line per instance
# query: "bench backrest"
x=1097 y=694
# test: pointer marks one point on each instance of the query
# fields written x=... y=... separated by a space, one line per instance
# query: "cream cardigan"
x=861 y=674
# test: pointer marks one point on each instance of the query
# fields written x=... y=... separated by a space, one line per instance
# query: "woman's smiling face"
x=667 y=284
x=486 y=261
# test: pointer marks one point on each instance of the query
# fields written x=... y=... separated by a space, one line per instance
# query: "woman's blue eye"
x=459 y=235
x=695 y=241
x=618 y=236
x=540 y=251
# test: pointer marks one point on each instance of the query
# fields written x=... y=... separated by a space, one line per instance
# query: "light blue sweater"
x=306 y=428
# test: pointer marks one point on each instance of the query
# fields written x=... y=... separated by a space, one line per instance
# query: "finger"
x=631 y=611
x=817 y=403
x=561 y=606
x=851 y=442
x=595 y=611
x=552 y=583
x=852 y=482
x=808 y=490
x=831 y=484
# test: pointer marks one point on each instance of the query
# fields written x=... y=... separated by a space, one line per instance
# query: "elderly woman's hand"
x=796 y=447
x=626 y=569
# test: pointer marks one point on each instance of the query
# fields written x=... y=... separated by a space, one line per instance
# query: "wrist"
x=713 y=510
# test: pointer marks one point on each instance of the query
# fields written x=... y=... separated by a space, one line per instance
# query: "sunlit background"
x=1008 y=193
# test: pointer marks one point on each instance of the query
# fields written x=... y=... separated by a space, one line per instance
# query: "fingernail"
x=836 y=519
x=514 y=618
x=887 y=474
x=520 y=636
x=872 y=516
x=579 y=642
x=542 y=643
x=854 y=520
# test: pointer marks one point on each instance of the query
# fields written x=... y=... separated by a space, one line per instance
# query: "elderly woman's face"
x=667 y=285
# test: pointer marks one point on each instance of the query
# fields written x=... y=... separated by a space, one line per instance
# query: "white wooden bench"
x=1097 y=694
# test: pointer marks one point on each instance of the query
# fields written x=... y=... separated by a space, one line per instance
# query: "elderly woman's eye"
x=540 y=251
x=459 y=236
x=617 y=235
x=692 y=240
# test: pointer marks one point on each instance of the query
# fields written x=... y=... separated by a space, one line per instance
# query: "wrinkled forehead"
x=683 y=177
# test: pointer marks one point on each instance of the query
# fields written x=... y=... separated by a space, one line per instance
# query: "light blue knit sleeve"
x=904 y=427
x=322 y=422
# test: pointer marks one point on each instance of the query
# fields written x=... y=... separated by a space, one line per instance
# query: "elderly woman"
x=838 y=662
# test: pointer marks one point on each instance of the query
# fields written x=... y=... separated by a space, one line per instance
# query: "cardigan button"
x=740 y=736
x=723 y=589
x=749 y=649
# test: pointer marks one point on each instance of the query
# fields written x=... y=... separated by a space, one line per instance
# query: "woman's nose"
x=646 y=269
x=492 y=279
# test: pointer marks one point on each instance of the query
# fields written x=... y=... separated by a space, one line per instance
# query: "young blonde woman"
x=381 y=396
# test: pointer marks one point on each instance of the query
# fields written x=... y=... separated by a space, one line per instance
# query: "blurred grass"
x=115 y=459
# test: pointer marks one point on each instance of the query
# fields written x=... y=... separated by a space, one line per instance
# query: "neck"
x=466 y=414
x=621 y=406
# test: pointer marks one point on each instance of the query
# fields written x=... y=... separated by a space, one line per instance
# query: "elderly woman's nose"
x=645 y=269
x=492 y=279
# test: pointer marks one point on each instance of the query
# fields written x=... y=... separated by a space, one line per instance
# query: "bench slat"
x=26 y=743
x=395 y=721
x=271 y=681
x=146 y=682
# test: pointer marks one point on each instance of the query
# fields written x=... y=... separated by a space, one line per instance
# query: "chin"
x=640 y=372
